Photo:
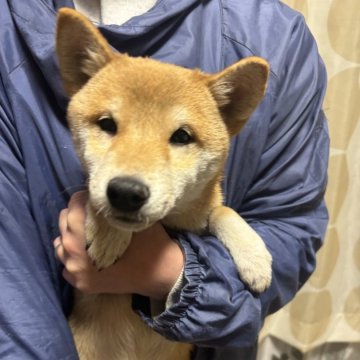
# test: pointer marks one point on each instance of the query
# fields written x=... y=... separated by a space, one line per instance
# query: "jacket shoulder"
x=262 y=28
x=10 y=56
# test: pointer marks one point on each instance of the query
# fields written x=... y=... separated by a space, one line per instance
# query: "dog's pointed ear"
x=238 y=90
x=82 y=51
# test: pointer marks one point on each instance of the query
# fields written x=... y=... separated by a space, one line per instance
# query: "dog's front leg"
x=246 y=247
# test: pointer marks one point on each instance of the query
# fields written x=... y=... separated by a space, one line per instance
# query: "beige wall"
x=327 y=309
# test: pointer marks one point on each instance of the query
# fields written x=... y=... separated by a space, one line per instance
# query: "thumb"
x=79 y=199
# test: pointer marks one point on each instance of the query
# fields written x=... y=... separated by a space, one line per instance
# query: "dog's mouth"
x=128 y=219
x=132 y=222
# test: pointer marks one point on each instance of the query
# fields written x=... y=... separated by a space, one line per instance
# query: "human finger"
x=60 y=252
x=63 y=221
x=77 y=213
x=69 y=277
x=79 y=199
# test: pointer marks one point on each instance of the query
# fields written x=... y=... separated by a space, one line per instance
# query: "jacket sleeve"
x=282 y=201
x=32 y=324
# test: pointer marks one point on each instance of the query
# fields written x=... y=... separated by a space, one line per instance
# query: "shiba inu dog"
x=153 y=139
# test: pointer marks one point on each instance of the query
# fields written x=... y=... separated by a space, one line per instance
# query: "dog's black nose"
x=127 y=193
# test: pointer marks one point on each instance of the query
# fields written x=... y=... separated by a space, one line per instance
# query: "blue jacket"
x=275 y=176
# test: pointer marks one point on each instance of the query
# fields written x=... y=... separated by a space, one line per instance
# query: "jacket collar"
x=35 y=20
x=140 y=36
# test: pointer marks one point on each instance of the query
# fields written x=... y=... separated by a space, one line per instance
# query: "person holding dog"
x=275 y=178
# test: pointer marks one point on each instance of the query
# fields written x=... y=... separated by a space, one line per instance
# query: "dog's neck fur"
x=113 y=11
x=194 y=216
x=107 y=243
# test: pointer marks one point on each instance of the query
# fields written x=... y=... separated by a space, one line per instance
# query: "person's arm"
x=32 y=322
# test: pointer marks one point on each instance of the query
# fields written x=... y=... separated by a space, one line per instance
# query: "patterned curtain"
x=323 y=321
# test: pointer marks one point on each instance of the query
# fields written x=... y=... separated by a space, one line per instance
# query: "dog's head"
x=153 y=137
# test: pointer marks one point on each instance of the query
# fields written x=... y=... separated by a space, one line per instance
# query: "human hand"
x=150 y=266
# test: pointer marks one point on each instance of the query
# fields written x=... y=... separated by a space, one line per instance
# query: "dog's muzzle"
x=127 y=194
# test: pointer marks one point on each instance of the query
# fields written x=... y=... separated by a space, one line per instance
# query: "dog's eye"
x=108 y=125
x=181 y=137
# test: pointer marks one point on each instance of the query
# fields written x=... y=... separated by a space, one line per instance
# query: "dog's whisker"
x=103 y=210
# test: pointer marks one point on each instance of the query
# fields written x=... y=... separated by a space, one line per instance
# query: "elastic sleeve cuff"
x=192 y=277
x=175 y=292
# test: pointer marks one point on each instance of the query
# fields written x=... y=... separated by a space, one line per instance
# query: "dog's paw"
x=246 y=247
x=255 y=269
